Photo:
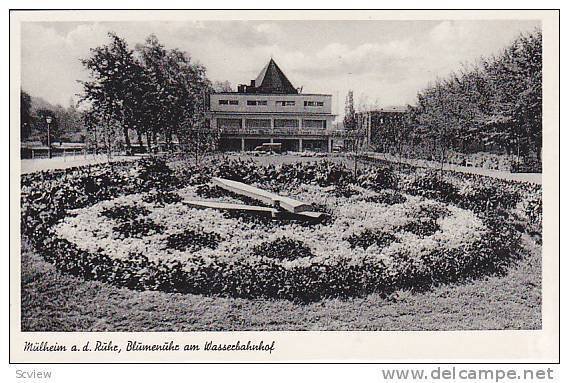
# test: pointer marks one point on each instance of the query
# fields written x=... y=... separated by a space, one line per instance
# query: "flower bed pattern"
x=369 y=244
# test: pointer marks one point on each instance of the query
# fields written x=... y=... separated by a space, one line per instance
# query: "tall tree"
x=495 y=104
x=114 y=88
x=176 y=91
x=25 y=115
x=102 y=132
x=153 y=91
x=349 y=112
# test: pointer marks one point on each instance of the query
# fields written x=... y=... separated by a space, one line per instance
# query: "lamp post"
x=48 y=119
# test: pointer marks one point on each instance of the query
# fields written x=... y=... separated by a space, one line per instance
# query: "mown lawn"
x=52 y=301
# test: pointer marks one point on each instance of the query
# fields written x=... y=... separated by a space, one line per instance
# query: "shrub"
x=208 y=191
x=154 y=173
x=322 y=173
x=345 y=191
x=282 y=248
x=533 y=209
x=238 y=170
x=388 y=197
x=256 y=221
x=482 y=197
x=428 y=211
x=422 y=227
x=370 y=237
x=378 y=178
x=138 y=228
x=187 y=173
x=162 y=197
x=125 y=212
x=191 y=240
x=433 y=185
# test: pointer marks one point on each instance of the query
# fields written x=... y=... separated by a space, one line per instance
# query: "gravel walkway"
x=40 y=164
x=534 y=178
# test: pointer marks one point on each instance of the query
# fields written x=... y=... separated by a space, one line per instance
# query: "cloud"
x=50 y=64
x=390 y=63
x=272 y=31
x=343 y=60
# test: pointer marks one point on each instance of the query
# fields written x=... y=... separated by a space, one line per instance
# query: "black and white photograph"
x=240 y=174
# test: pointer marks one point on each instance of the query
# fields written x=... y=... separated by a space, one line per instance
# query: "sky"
x=385 y=63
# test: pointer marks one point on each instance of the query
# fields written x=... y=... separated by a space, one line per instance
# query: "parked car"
x=337 y=148
x=269 y=147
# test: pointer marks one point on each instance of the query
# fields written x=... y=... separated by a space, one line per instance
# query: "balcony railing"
x=288 y=132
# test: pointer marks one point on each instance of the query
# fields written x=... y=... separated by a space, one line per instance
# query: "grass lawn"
x=52 y=301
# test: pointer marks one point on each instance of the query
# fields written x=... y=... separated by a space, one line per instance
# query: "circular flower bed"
x=137 y=232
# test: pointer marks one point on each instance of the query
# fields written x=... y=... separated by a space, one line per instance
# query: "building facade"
x=271 y=110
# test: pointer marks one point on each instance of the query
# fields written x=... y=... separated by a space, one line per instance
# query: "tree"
x=349 y=112
x=155 y=105
x=40 y=117
x=176 y=91
x=25 y=115
x=357 y=137
x=152 y=91
x=350 y=122
x=114 y=87
x=222 y=86
x=516 y=77
x=101 y=130
x=495 y=104
x=69 y=123
x=200 y=141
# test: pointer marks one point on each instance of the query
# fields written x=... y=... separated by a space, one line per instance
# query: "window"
x=228 y=102
x=234 y=123
x=285 y=103
x=257 y=123
x=314 y=124
x=313 y=103
x=280 y=123
x=256 y=102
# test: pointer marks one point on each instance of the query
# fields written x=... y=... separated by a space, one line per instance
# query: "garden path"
x=40 y=164
x=534 y=178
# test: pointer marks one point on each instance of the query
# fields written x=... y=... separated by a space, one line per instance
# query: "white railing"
x=290 y=132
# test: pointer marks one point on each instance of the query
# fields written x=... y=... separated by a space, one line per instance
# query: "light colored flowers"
x=93 y=232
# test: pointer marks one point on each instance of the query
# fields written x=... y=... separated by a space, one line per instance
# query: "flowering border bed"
x=50 y=197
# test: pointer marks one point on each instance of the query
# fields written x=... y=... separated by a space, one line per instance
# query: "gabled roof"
x=273 y=80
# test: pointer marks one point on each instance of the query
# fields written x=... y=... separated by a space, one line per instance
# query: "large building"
x=271 y=110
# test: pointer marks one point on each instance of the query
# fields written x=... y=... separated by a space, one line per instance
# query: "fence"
x=286 y=132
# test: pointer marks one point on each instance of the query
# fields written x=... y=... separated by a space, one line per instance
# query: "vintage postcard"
x=309 y=186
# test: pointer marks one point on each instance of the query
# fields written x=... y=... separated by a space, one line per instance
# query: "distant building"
x=271 y=110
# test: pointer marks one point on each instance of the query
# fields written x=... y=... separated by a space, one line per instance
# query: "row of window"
x=264 y=103
x=228 y=102
x=236 y=123
x=313 y=103
x=256 y=102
